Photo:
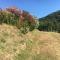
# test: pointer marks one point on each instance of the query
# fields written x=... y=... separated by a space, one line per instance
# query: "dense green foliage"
x=26 y=22
x=50 y=22
x=13 y=16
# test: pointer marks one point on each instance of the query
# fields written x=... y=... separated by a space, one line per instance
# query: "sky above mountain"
x=39 y=8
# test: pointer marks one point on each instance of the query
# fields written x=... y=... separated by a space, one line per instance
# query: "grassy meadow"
x=35 y=45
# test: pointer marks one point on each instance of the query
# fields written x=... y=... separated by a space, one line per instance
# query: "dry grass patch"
x=35 y=45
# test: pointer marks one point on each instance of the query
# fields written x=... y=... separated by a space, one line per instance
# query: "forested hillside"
x=50 y=22
x=24 y=21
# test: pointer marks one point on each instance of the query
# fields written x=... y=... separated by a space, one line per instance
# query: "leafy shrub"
x=13 y=16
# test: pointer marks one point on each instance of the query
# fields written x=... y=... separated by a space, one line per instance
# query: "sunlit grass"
x=35 y=45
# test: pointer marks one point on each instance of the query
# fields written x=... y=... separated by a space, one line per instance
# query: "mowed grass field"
x=35 y=45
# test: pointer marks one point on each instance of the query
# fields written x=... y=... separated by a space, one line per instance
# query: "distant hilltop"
x=50 y=22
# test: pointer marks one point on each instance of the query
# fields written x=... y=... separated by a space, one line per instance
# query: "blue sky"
x=39 y=8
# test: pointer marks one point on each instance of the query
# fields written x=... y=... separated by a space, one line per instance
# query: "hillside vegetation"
x=35 y=45
x=21 y=38
x=22 y=19
x=50 y=23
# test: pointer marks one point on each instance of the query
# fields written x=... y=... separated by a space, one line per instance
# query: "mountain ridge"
x=51 y=22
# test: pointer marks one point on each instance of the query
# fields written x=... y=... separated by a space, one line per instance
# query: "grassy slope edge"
x=35 y=45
